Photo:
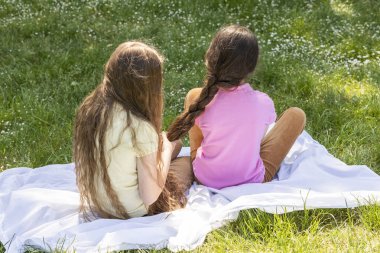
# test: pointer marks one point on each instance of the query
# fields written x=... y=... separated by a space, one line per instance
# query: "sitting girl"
x=123 y=161
x=227 y=119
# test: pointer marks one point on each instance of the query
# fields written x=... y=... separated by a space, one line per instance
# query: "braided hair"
x=231 y=57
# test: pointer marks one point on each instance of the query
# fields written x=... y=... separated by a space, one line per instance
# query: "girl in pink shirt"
x=227 y=120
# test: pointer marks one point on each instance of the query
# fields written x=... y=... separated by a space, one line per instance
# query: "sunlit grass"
x=318 y=230
x=322 y=56
x=342 y=8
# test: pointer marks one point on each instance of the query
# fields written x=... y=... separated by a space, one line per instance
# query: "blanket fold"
x=39 y=207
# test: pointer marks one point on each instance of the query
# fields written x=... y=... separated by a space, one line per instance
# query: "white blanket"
x=39 y=207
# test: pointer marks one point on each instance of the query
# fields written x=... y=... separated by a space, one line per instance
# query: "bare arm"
x=150 y=180
x=196 y=137
x=195 y=133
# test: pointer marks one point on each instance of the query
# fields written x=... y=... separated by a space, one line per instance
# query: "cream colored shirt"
x=122 y=156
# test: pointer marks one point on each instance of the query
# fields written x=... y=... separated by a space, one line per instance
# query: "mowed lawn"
x=322 y=56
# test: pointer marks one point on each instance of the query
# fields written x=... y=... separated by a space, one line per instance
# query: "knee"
x=298 y=116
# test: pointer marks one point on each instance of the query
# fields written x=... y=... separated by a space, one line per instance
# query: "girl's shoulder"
x=192 y=95
x=120 y=117
x=262 y=95
x=263 y=98
x=128 y=129
x=257 y=93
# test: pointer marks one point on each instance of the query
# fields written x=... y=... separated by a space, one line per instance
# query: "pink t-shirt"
x=233 y=125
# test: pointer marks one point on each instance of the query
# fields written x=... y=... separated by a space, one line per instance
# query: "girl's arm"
x=195 y=133
x=196 y=138
x=150 y=180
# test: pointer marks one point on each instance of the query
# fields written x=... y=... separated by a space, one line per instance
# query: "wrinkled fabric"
x=39 y=207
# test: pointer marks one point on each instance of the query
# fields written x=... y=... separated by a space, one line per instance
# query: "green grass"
x=322 y=56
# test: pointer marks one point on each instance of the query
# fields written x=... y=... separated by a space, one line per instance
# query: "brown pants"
x=277 y=143
x=178 y=181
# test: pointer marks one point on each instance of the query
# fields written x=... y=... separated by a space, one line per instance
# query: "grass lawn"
x=322 y=56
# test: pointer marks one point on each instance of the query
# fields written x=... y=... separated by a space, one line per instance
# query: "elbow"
x=149 y=197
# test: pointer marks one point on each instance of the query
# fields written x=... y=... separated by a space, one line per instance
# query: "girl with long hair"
x=122 y=160
x=227 y=120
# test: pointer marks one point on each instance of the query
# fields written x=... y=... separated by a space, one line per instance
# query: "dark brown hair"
x=133 y=80
x=231 y=57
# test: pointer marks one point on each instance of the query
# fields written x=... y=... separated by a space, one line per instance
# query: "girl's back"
x=233 y=125
x=121 y=159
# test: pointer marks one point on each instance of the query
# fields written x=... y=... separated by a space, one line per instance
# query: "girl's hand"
x=174 y=146
x=166 y=144
x=150 y=181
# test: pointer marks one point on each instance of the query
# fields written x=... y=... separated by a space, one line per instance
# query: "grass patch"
x=320 y=230
x=322 y=56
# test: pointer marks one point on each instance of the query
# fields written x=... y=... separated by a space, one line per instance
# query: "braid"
x=185 y=121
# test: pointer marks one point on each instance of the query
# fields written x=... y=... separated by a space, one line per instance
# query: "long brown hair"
x=132 y=79
x=231 y=57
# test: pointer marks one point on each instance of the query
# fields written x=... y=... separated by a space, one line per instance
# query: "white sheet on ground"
x=39 y=207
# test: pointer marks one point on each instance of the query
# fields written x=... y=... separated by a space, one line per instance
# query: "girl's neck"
x=242 y=82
